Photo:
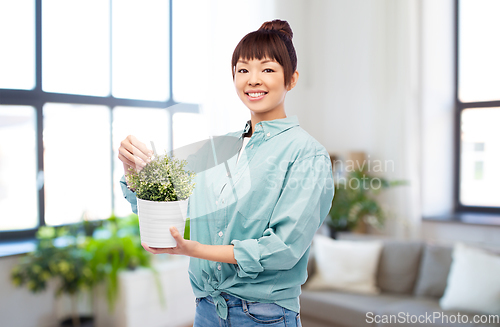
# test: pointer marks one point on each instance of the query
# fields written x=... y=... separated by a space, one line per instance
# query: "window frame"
x=459 y=107
x=37 y=98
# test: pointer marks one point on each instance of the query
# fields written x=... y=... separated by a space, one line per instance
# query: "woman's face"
x=260 y=84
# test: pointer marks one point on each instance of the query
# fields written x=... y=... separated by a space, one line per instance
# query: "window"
x=478 y=106
x=107 y=72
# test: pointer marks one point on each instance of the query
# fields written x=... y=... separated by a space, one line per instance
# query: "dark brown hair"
x=272 y=40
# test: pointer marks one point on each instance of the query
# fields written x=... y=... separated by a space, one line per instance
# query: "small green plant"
x=163 y=179
x=119 y=248
x=355 y=200
x=67 y=262
x=82 y=255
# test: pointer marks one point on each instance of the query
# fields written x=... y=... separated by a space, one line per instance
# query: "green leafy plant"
x=82 y=255
x=355 y=200
x=119 y=248
x=67 y=262
x=163 y=179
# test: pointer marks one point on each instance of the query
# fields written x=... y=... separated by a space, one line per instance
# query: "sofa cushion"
x=434 y=269
x=473 y=281
x=398 y=266
x=343 y=308
x=345 y=265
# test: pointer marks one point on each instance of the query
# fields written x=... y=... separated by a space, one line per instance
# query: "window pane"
x=480 y=157
x=202 y=49
x=479 y=70
x=189 y=128
x=17 y=40
x=75 y=46
x=140 y=49
x=146 y=125
x=187 y=40
x=77 y=162
x=18 y=167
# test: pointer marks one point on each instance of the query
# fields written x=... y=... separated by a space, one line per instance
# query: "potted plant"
x=116 y=247
x=162 y=188
x=83 y=256
x=60 y=256
x=355 y=201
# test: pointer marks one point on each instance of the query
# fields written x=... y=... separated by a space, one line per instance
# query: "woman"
x=252 y=226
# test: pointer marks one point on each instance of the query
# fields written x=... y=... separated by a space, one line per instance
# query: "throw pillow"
x=434 y=270
x=473 y=282
x=398 y=266
x=345 y=265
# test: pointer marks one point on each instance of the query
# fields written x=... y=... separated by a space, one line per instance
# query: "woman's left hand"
x=184 y=247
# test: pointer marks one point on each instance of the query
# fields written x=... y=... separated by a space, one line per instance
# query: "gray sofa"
x=412 y=277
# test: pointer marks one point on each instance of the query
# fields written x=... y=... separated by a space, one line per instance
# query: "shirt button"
x=227 y=174
x=223 y=201
x=221 y=233
x=268 y=134
x=251 y=146
x=219 y=267
x=216 y=202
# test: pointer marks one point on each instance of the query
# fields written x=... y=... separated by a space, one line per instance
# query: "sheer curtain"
x=205 y=34
x=398 y=127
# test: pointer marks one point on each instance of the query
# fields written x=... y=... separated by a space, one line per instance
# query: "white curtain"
x=397 y=130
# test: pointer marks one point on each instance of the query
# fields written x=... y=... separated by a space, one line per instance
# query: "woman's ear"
x=293 y=81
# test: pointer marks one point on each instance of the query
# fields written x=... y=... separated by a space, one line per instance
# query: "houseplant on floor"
x=162 y=188
x=355 y=201
x=116 y=247
x=59 y=255
x=83 y=256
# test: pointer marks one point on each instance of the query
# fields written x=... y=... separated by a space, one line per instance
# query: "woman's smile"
x=255 y=95
x=261 y=85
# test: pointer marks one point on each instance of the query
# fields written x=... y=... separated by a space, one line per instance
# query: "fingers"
x=140 y=146
x=134 y=153
x=127 y=163
x=158 y=250
x=178 y=238
x=135 y=147
x=176 y=250
x=174 y=232
x=129 y=159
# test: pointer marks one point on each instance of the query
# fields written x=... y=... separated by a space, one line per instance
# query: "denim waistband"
x=230 y=299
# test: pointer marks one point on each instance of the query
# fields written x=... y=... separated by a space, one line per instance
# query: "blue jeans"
x=242 y=313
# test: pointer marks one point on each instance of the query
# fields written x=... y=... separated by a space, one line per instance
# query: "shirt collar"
x=271 y=127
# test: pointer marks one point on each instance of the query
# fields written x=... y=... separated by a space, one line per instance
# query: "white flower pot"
x=156 y=218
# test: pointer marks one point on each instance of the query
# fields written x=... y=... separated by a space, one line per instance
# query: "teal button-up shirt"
x=268 y=205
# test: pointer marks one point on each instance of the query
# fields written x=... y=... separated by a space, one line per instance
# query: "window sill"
x=11 y=247
x=472 y=218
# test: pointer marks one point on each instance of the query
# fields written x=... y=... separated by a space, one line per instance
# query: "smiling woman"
x=250 y=235
x=264 y=69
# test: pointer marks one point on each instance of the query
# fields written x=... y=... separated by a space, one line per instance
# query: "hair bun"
x=278 y=25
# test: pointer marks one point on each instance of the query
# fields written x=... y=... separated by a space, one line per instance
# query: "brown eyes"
x=267 y=70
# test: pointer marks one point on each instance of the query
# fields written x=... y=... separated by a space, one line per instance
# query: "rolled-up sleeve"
x=128 y=194
x=305 y=200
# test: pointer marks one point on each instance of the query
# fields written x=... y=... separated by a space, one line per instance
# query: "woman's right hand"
x=134 y=154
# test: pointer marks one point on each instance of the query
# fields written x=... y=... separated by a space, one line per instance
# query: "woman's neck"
x=265 y=116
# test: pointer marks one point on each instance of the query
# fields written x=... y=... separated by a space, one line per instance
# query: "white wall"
x=357 y=88
x=334 y=97
x=377 y=76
